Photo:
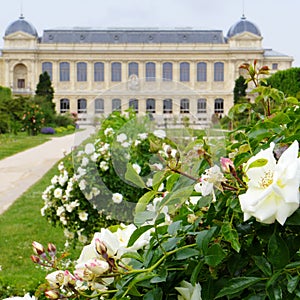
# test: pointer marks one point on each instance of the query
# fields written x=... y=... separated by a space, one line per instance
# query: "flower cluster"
x=33 y=119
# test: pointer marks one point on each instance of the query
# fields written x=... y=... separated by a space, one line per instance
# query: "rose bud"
x=100 y=247
x=38 y=248
x=51 y=294
x=227 y=164
x=35 y=259
x=51 y=249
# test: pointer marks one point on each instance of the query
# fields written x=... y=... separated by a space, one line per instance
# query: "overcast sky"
x=278 y=20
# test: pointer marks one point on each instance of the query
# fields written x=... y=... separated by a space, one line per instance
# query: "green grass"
x=20 y=225
x=11 y=144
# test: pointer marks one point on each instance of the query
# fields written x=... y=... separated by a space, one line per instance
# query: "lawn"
x=11 y=144
x=20 y=225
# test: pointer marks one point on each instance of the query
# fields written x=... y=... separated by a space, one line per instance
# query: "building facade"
x=165 y=72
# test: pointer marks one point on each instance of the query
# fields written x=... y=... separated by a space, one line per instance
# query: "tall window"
x=99 y=106
x=21 y=83
x=81 y=106
x=219 y=71
x=184 y=106
x=150 y=105
x=219 y=106
x=134 y=103
x=81 y=71
x=64 y=71
x=201 y=71
x=116 y=104
x=201 y=106
x=99 y=71
x=64 y=105
x=116 y=71
x=184 y=71
x=47 y=67
x=150 y=71
x=133 y=69
x=167 y=71
x=167 y=106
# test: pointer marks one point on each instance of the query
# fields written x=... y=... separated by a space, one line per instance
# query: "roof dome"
x=21 y=25
x=242 y=26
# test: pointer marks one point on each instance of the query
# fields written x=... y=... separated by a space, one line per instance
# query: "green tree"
x=44 y=95
x=287 y=81
x=239 y=91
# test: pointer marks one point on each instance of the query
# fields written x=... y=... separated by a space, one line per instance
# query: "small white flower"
x=94 y=157
x=84 y=161
x=160 y=133
x=149 y=182
x=188 y=291
x=54 y=179
x=89 y=148
x=68 y=234
x=104 y=166
x=82 y=184
x=125 y=144
x=81 y=172
x=157 y=167
x=60 y=210
x=143 y=136
x=137 y=168
x=117 y=198
x=61 y=166
x=108 y=131
x=95 y=191
x=58 y=193
x=26 y=297
x=122 y=137
x=83 y=216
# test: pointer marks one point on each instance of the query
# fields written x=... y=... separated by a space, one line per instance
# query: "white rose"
x=83 y=216
x=160 y=133
x=117 y=198
x=121 y=138
x=89 y=148
x=273 y=187
x=188 y=291
x=137 y=168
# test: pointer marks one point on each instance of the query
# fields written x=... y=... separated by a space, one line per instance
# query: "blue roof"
x=21 y=25
x=243 y=26
x=132 y=35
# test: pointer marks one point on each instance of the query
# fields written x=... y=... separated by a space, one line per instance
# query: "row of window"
x=133 y=69
x=150 y=105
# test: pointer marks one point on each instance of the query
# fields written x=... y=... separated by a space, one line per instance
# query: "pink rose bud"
x=51 y=249
x=38 y=248
x=51 y=294
x=35 y=259
x=227 y=164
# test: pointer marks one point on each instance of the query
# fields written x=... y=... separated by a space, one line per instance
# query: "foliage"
x=287 y=81
x=239 y=91
x=33 y=119
x=225 y=227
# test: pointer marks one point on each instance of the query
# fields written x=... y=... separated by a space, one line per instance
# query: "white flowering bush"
x=210 y=223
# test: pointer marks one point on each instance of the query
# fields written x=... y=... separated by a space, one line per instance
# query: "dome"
x=242 y=26
x=21 y=25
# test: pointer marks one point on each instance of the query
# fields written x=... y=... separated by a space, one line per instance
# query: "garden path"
x=20 y=171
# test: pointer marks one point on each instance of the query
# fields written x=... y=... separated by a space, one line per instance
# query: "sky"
x=278 y=20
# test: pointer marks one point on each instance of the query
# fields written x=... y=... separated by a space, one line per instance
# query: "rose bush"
x=210 y=222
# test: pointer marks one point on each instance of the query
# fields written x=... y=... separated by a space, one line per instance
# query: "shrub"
x=47 y=130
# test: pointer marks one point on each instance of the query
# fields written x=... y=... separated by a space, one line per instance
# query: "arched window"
x=201 y=106
x=150 y=105
x=81 y=71
x=99 y=106
x=64 y=71
x=167 y=106
x=116 y=104
x=201 y=71
x=184 y=71
x=167 y=71
x=133 y=69
x=134 y=103
x=99 y=71
x=64 y=105
x=81 y=106
x=47 y=67
x=20 y=76
x=219 y=106
x=219 y=71
x=150 y=71
x=184 y=106
x=116 y=71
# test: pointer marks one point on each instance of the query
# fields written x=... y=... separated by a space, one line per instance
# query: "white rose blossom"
x=117 y=198
x=89 y=148
x=188 y=291
x=26 y=297
x=121 y=138
x=58 y=193
x=83 y=216
x=160 y=133
x=137 y=168
x=273 y=187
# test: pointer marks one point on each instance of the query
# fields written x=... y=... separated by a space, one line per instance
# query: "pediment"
x=20 y=35
x=246 y=36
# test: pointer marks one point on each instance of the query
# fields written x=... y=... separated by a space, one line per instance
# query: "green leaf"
x=258 y=163
x=278 y=252
x=132 y=176
x=292 y=283
x=133 y=255
x=186 y=253
x=196 y=271
x=236 y=285
x=144 y=200
x=174 y=227
x=263 y=265
x=231 y=236
x=215 y=254
x=281 y=118
x=156 y=294
x=141 y=217
x=204 y=237
x=137 y=233
x=294 y=219
x=274 y=293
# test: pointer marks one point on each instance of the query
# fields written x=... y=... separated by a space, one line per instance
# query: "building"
x=165 y=72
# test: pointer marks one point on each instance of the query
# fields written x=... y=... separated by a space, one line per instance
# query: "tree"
x=287 y=81
x=239 y=90
x=44 y=95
